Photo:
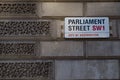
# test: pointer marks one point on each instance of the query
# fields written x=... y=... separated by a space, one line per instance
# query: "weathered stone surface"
x=26 y=70
x=61 y=48
x=113 y=28
x=59 y=26
x=62 y=9
x=118 y=24
x=29 y=29
x=18 y=9
x=103 y=9
x=56 y=28
x=26 y=28
x=17 y=48
x=102 y=48
x=86 y=69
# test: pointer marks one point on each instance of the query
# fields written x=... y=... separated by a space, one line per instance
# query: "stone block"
x=56 y=29
x=102 y=48
x=103 y=9
x=63 y=70
x=116 y=48
x=26 y=69
x=28 y=29
x=113 y=28
x=118 y=24
x=19 y=9
x=61 y=48
x=62 y=9
x=17 y=48
x=86 y=69
x=102 y=69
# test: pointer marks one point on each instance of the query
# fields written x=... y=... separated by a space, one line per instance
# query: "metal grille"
x=17 y=8
x=41 y=70
x=24 y=28
x=17 y=48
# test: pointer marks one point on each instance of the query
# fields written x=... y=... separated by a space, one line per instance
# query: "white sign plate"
x=86 y=27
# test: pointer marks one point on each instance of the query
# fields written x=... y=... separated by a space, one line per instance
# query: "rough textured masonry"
x=17 y=8
x=24 y=28
x=26 y=70
x=18 y=48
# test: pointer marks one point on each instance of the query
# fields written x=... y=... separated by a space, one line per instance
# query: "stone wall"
x=33 y=47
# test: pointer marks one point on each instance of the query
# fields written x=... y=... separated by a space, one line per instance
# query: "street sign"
x=86 y=27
